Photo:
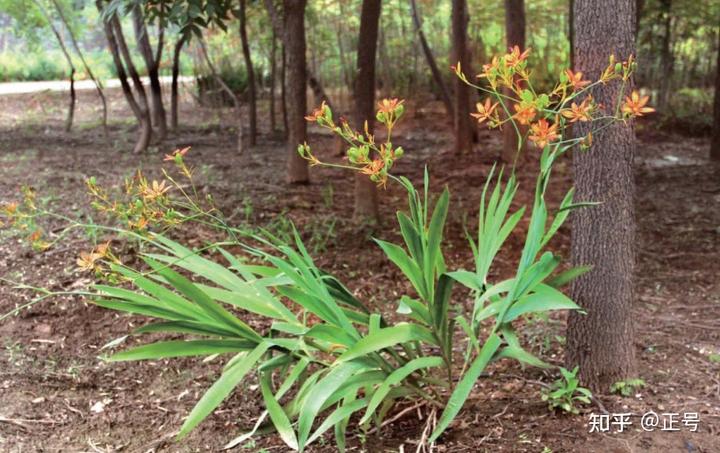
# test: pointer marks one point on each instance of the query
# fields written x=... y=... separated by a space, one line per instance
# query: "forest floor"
x=57 y=395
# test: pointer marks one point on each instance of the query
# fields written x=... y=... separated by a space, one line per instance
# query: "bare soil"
x=57 y=395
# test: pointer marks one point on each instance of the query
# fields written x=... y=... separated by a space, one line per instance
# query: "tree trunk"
x=159 y=118
x=515 y=34
x=250 y=75
x=571 y=32
x=143 y=120
x=366 y=197
x=174 y=86
x=463 y=131
x=715 y=143
x=273 y=81
x=666 y=57
x=68 y=59
x=430 y=58
x=603 y=236
x=281 y=29
x=297 y=167
x=228 y=91
x=76 y=46
x=144 y=112
x=283 y=92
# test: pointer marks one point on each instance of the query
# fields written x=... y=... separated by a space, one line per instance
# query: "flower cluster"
x=21 y=217
x=364 y=153
x=92 y=261
x=146 y=204
x=545 y=114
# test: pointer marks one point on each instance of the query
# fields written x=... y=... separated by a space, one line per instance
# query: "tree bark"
x=283 y=92
x=515 y=34
x=280 y=27
x=234 y=97
x=250 y=74
x=174 y=85
x=144 y=112
x=273 y=81
x=715 y=143
x=430 y=58
x=603 y=236
x=366 y=197
x=159 y=118
x=68 y=59
x=143 y=120
x=297 y=167
x=666 y=56
x=76 y=46
x=460 y=54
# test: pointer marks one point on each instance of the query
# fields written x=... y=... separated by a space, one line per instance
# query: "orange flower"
x=579 y=112
x=10 y=208
x=176 y=153
x=525 y=113
x=575 y=79
x=154 y=191
x=515 y=57
x=373 y=167
x=317 y=113
x=388 y=106
x=541 y=133
x=635 y=105
x=484 y=111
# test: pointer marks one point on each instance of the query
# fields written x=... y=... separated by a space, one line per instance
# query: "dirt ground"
x=56 y=395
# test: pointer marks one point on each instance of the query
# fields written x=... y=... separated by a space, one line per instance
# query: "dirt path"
x=64 y=85
x=56 y=395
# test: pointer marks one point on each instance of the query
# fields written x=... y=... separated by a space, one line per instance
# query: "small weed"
x=628 y=387
x=565 y=392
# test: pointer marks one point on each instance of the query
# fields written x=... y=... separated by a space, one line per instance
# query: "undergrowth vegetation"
x=323 y=356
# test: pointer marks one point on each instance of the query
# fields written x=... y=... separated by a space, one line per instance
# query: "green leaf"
x=434 y=238
x=520 y=354
x=191 y=327
x=388 y=337
x=166 y=349
x=395 y=378
x=319 y=393
x=567 y=276
x=221 y=389
x=408 y=267
x=464 y=387
x=277 y=414
x=544 y=298
x=337 y=416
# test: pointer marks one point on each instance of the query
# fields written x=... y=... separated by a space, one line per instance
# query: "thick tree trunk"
x=603 y=236
x=297 y=167
x=159 y=118
x=715 y=143
x=430 y=58
x=366 y=197
x=460 y=54
x=515 y=34
x=174 y=85
x=273 y=81
x=281 y=29
x=250 y=75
